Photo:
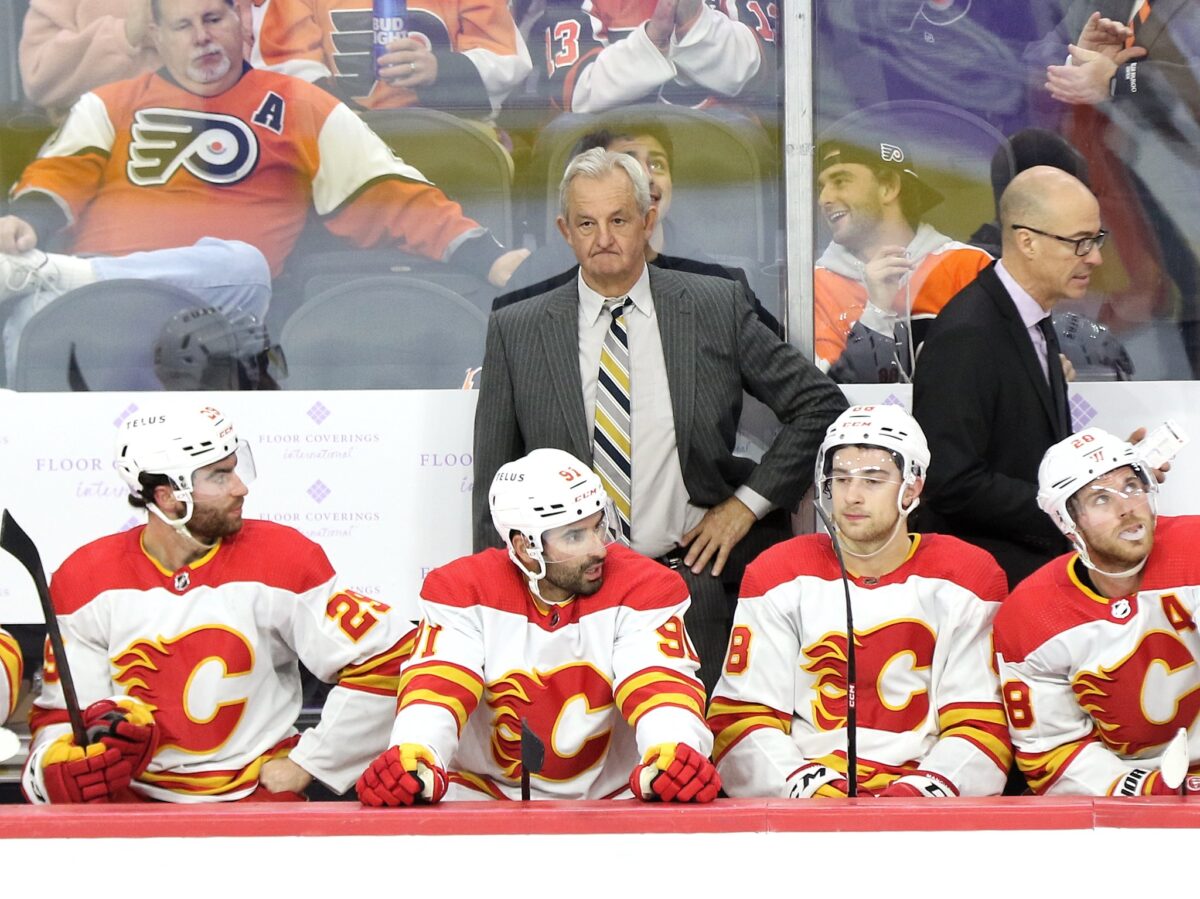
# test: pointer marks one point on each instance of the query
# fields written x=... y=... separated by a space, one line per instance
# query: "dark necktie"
x=1054 y=372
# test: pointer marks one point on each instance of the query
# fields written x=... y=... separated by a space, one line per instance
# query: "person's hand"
x=74 y=774
x=1103 y=35
x=126 y=725
x=283 y=776
x=883 y=274
x=502 y=269
x=1160 y=474
x=137 y=23
x=686 y=14
x=674 y=772
x=16 y=235
x=661 y=24
x=408 y=63
x=403 y=775
x=1086 y=81
x=718 y=532
x=1068 y=368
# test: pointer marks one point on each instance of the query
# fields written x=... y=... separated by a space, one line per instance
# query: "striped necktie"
x=1135 y=23
x=612 y=457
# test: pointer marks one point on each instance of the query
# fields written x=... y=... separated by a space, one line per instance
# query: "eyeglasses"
x=1083 y=245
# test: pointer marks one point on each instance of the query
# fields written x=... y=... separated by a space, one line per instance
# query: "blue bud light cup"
x=387 y=24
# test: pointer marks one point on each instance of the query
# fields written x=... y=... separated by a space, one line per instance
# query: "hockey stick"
x=851 y=667
x=17 y=543
x=1175 y=759
x=533 y=756
x=10 y=744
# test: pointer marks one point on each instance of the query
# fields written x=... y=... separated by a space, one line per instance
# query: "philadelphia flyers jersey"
x=10 y=675
x=213 y=649
x=481 y=55
x=928 y=699
x=595 y=55
x=1096 y=687
x=599 y=679
x=839 y=299
x=144 y=164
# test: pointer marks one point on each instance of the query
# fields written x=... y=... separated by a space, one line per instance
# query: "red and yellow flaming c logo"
x=160 y=673
x=566 y=707
x=1124 y=700
x=891 y=647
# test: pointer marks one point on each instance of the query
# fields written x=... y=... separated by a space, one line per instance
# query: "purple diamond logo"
x=318 y=413
x=129 y=524
x=893 y=400
x=319 y=491
x=1082 y=412
x=128 y=411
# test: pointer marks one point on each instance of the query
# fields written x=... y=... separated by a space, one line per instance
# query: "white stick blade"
x=1175 y=759
x=10 y=744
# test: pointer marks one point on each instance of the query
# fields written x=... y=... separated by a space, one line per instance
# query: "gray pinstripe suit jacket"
x=714 y=347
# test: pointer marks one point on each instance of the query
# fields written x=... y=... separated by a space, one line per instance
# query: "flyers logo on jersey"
x=567 y=707
x=893 y=661
x=219 y=149
x=186 y=680
x=1142 y=700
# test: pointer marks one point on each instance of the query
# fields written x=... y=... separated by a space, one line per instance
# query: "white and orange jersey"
x=11 y=672
x=143 y=164
x=928 y=699
x=595 y=55
x=213 y=649
x=315 y=39
x=839 y=299
x=1095 y=687
x=599 y=679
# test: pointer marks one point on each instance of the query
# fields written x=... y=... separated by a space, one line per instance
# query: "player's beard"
x=208 y=525
x=569 y=575
x=212 y=72
x=1109 y=552
x=865 y=536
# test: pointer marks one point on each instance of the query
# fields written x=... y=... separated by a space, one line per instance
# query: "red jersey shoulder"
x=1044 y=605
x=272 y=554
x=488 y=578
x=1173 y=561
x=110 y=562
x=948 y=558
x=810 y=555
x=637 y=582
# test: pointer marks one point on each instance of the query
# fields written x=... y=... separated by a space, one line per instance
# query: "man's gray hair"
x=599 y=162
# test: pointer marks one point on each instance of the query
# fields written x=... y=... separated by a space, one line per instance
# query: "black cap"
x=880 y=154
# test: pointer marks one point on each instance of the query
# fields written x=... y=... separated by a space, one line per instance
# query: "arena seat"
x=723 y=169
x=383 y=331
x=108 y=327
x=460 y=158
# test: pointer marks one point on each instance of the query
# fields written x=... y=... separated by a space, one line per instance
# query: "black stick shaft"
x=851 y=662
x=15 y=541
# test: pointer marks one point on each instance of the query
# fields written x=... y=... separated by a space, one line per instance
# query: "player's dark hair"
x=624 y=128
x=826 y=485
x=910 y=201
x=149 y=482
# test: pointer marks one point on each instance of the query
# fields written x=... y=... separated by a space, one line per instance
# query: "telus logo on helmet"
x=144 y=422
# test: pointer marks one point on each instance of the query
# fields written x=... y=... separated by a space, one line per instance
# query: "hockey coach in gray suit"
x=640 y=372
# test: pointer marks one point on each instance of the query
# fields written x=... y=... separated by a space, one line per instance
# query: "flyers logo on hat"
x=216 y=148
x=891 y=153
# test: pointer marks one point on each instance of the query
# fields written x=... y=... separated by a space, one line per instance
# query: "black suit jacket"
x=987 y=411
x=714 y=347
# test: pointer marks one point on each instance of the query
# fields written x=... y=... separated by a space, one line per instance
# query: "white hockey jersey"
x=1096 y=687
x=10 y=675
x=213 y=649
x=599 y=680
x=928 y=698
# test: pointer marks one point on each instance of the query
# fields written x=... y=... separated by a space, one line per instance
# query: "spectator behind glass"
x=650 y=144
x=128 y=173
x=460 y=58
x=604 y=54
x=69 y=47
x=885 y=274
x=1129 y=98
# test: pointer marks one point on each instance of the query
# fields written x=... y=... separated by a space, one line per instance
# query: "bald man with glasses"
x=989 y=388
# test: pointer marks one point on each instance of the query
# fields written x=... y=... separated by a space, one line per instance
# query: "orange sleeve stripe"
x=39 y=718
x=379 y=674
x=455 y=689
x=218 y=783
x=984 y=726
x=654 y=687
x=11 y=669
x=1041 y=770
x=731 y=721
x=477 y=782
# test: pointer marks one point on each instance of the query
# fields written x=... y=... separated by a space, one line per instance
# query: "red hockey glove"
x=674 y=772
x=816 y=779
x=125 y=725
x=403 y=775
x=93 y=773
x=920 y=784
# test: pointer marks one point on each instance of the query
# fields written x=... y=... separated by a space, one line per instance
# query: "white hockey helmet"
x=175 y=442
x=887 y=427
x=1072 y=464
x=546 y=489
